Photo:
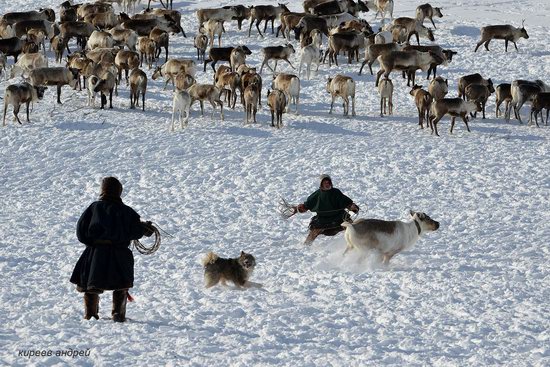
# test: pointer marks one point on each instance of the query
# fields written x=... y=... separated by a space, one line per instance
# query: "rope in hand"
x=287 y=210
x=145 y=250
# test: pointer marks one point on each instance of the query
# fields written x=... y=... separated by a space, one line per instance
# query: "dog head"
x=426 y=223
x=247 y=261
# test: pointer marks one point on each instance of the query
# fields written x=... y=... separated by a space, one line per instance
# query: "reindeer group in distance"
x=112 y=43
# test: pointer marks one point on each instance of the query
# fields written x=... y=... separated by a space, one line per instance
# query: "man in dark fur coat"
x=329 y=203
x=107 y=228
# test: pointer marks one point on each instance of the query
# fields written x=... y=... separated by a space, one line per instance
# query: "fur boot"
x=91 y=306
x=119 y=305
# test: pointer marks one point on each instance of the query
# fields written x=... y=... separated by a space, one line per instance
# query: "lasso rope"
x=145 y=250
x=287 y=210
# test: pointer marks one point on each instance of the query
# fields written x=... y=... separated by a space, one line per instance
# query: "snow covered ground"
x=473 y=293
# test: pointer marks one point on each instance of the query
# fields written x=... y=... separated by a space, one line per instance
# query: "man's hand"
x=354 y=208
x=147 y=228
x=301 y=208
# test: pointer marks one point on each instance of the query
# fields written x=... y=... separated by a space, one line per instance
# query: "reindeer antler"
x=286 y=210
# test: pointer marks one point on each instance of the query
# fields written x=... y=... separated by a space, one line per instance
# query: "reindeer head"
x=362 y=6
x=157 y=73
x=490 y=86
x=288 y=45
x=425 y=223
x=329 y=80
x=523 y=31
x=437 y=12
x=414 y=89
x=40 y=91
x=244 y=49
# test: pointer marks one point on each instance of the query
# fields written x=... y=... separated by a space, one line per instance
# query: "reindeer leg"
x=16 y=112
x=346 y=106
x=5 y=109
x=28 y=120
x=431 y=19
x=478 y=44
x=331 y=105
x=487 y=45
x=466 y=122
x=516 y=46
x=452 y=124
x=505 y=45
x=258 y=28
x=289 y=64
x=378 y=75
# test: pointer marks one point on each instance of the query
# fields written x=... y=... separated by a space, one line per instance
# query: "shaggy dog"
x=238 y=270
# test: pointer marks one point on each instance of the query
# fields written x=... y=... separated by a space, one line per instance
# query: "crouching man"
x=330 y=204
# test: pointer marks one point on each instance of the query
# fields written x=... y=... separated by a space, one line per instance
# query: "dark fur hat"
x=111 y=188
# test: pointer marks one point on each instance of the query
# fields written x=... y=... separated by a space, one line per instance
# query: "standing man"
x=107 y=228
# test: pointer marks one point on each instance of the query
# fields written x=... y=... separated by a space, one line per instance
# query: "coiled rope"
x=148 y=250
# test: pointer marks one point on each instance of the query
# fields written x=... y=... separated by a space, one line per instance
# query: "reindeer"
x=276 y=100
x=138 y=85
x=267 y=13
x=57 y=76
x=161 y=39
x=414 y=27
x=503 y=94
x=251 y=97
x=147 y=50
x=181 y=104
x=17 y=94
x=232 y=81
x=409 y=61
x=476 y=78
x=209 y=92
x=506 y=32
x=373 y=51
x=381 y=7
x=540 y=102
x=344 y=87
x=201 y=43
x=277 y=53
x=427 y=11
x=456 y=107
x=438 y=88
x=385 y=88
x=212 y=28
x=290 y=85
x=311 y=54
x=173 y=67
x=478 y=93
x=126 y=60
x=423 y=100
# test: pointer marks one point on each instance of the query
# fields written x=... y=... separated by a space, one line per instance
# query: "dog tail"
x=210 y=258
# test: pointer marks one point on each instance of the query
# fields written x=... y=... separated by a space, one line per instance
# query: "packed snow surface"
x=475 y=292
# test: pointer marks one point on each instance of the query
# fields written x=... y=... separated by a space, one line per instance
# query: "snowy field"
x=474 y=293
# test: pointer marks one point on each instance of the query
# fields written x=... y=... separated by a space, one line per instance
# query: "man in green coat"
x=330 y=204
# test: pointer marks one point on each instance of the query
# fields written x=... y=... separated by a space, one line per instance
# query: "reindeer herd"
x=112 y=44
